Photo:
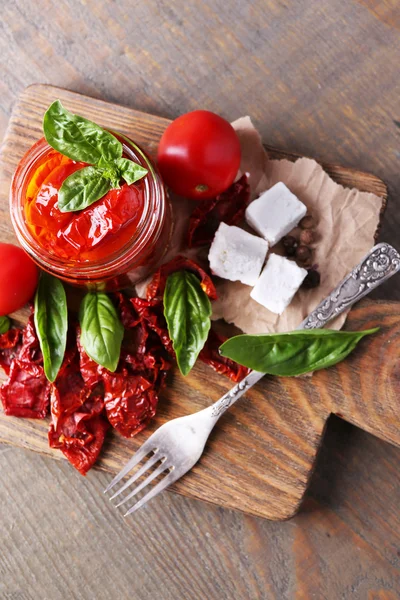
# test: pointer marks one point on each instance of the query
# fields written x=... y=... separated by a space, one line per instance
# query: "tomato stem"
x=201 y=187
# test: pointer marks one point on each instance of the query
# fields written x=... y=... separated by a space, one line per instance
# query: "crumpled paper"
x=346 y=223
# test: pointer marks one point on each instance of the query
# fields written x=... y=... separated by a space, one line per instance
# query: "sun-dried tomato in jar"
x=112 y=243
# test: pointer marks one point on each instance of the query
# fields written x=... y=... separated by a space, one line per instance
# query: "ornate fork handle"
x=379 y=264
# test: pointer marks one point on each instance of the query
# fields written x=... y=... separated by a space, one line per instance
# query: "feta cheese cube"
x=237 y=255
x=278 y=283
x=275 y=213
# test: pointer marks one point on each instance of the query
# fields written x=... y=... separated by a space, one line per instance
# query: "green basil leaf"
x=130 y=171
x=187 y=310
x=105 y=164
x=101 y=330
x=5 y=324
x=82 y=188
x=294 y=353
x=78 y=138
x=51 y=323
x=110 y=171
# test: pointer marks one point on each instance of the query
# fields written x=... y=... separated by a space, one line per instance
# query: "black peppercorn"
x=290 y=244
x=312 y=279
x=303 y=253
x=307 y=222
x=307 y=237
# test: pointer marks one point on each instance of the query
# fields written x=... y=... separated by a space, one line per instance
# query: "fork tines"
x=150 y=462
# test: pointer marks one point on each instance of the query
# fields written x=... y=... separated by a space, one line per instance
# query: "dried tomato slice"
x=127 y=315
x=80 y=438
x=30 y=350
x=228 y=207
x=131 y=394
x=130 y=401
x=156 y=287
x=26 y=392
x=211 y=356
x=89 y=369
x=9 y=347
x=69 y=391
x=151 y=313
x=78 y=426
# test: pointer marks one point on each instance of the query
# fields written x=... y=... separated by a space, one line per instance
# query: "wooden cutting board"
x=260 y=456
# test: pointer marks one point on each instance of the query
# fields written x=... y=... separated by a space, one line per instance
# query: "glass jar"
x=122 y=268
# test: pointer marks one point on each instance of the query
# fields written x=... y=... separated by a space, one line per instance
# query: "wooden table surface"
x=320 y=78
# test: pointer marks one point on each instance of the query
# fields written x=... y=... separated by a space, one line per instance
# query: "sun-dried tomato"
x=89 y=369
x=211 y=356
x=228 y=207
x=84 y=393
x=156 y=287
x=90 y=234
x=151 y=313
x=131 y=393
x=69 y=390
x=127 y=315
x=78 y=426
x=9 y=347
x=30 y=350
x=81 y=436
x=130 y=401
x=26 y=392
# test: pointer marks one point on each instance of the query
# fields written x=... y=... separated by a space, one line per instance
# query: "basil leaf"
x=78 y=138
x=187 y=310
x=5 y=324
x=130 y=171
x=294 y=353
x=101 y=330
x=82 y=188
x=51 y=323
x=110 y=171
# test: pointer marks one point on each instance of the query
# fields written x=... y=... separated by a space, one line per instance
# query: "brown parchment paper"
x=346 y=219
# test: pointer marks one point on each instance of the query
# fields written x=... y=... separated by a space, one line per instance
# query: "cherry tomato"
x=18 y=278
x=199 y=155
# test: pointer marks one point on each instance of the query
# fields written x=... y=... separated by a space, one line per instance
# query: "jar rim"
x=150 y=224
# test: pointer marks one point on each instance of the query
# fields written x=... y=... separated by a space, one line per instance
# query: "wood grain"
x=319 y=78
x=260 y=456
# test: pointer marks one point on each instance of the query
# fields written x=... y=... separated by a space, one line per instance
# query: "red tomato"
x=199 y=155
x=18 y=278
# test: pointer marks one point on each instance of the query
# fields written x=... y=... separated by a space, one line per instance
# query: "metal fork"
x=178 y=444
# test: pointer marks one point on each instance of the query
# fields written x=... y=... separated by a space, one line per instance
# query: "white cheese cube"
x=237 y=255
x=278 y=283
x=275 y=213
